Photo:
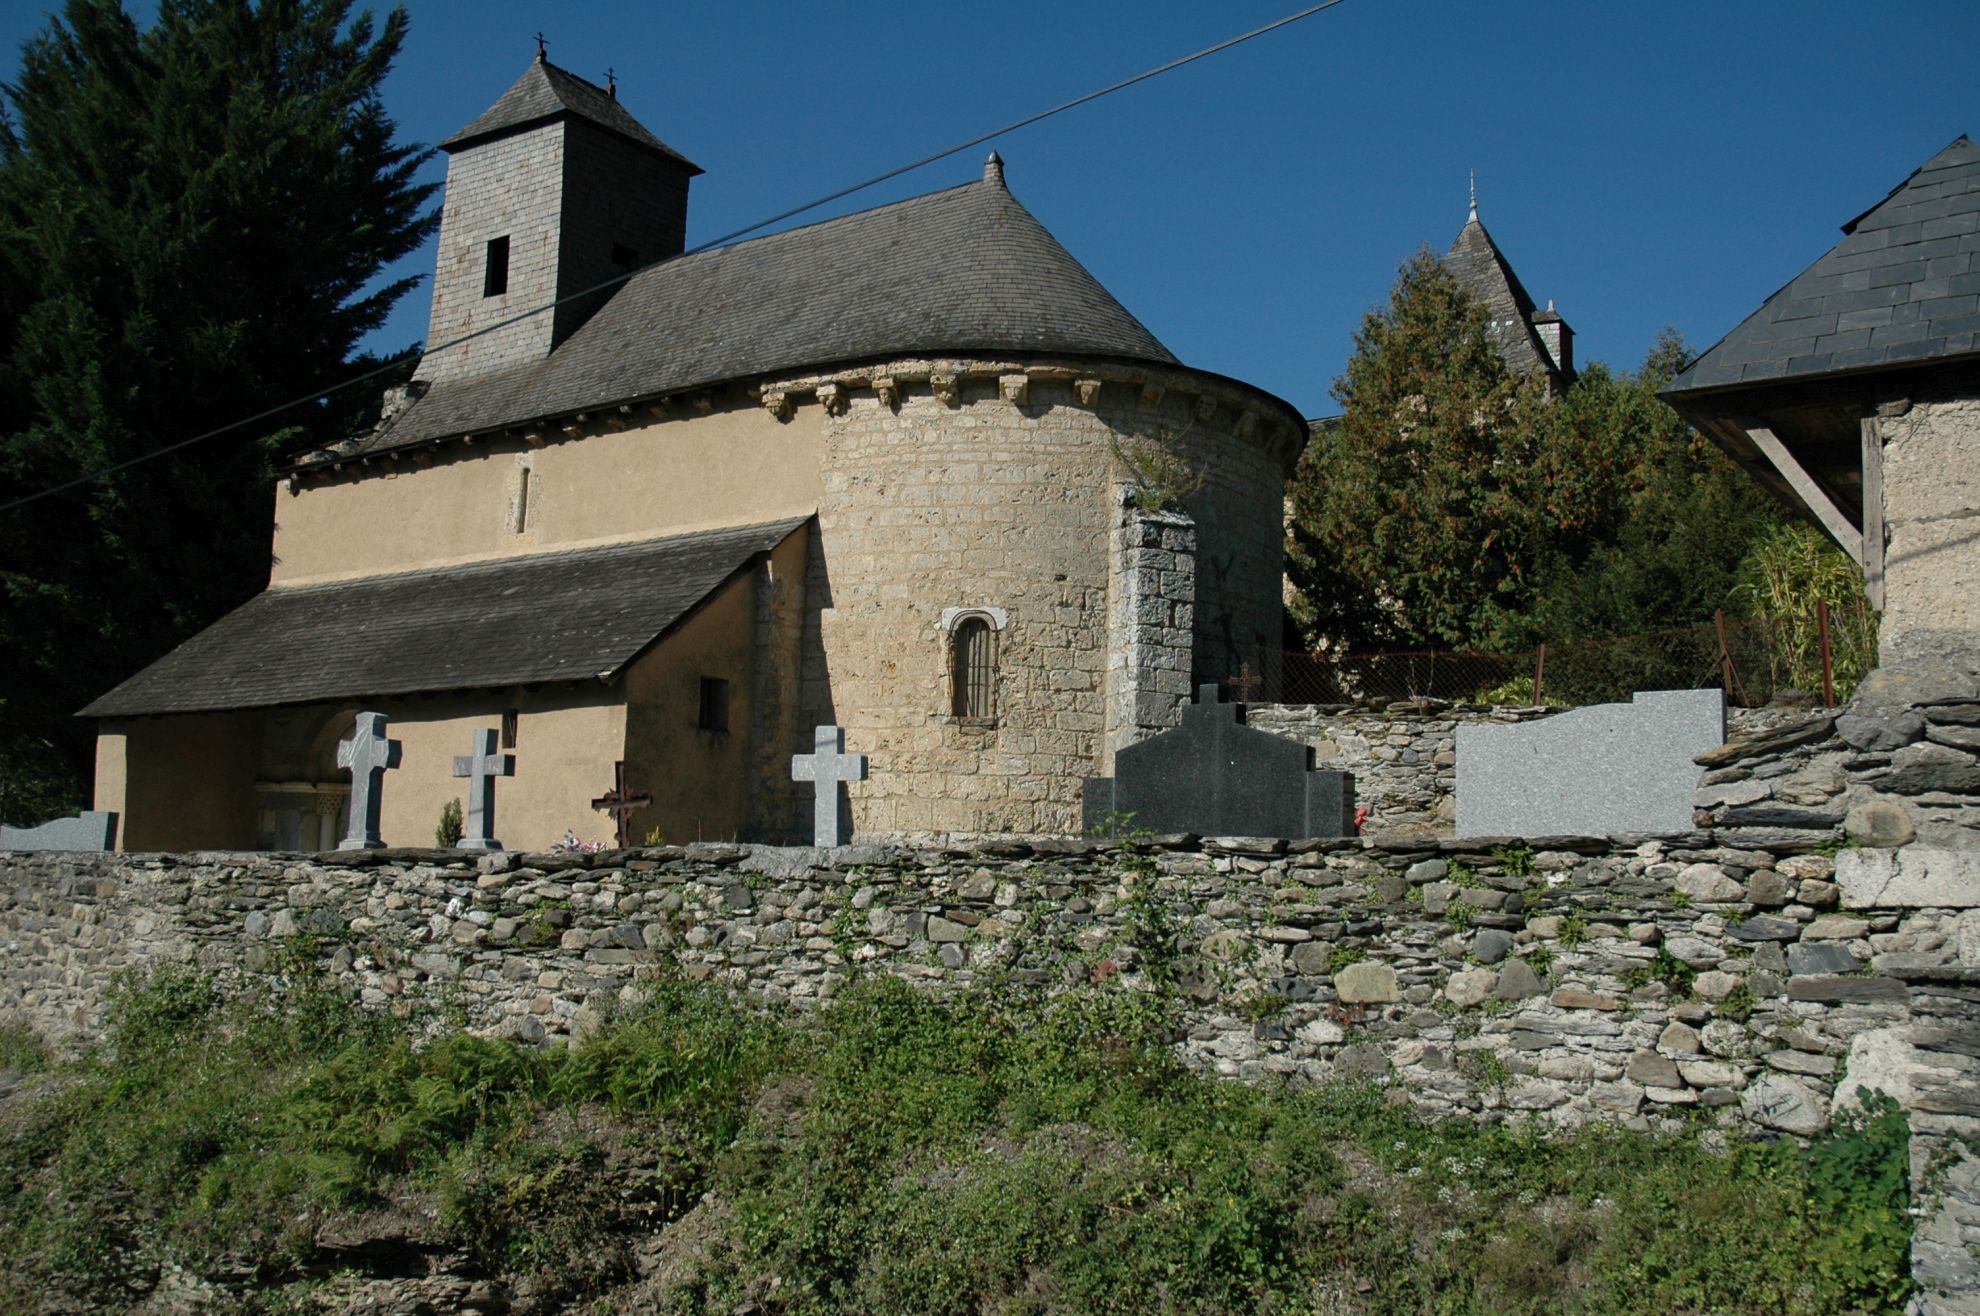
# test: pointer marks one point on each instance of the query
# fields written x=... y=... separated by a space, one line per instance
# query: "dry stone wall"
x=1633 y=981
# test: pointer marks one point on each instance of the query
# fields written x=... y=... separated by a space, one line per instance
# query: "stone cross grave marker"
x=622 y=802
x=366 y=756
x=828 y=765
x=482 y=767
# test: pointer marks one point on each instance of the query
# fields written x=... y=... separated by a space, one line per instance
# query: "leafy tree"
x=1412 y=518
x=193 y=217
x=1454 y=503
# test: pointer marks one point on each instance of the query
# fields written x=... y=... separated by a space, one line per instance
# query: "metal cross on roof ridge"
x=622 y=803
x=541 y=43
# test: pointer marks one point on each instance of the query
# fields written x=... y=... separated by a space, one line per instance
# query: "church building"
x=879 y=472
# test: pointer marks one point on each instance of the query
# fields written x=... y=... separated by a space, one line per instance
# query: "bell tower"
x=554 y=189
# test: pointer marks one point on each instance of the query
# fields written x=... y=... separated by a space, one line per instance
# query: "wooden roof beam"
x=1812 y=495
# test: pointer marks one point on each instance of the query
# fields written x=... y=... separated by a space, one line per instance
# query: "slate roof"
x=1901 y=288
x=1480 y=266
x=571 y=616
x=964 y=270
x=544 y=92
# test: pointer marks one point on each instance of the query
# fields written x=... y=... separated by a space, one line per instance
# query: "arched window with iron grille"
x=973 y=669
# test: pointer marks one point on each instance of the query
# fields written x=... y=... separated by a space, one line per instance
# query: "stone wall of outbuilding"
x=1932 y=557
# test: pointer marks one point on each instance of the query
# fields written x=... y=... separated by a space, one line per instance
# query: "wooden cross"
x=482 y=767
x=828 y=764
x=622 y=802
x=365 y=756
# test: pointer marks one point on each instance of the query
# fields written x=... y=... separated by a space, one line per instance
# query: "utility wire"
x=728 y=237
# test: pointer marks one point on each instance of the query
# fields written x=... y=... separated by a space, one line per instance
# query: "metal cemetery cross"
x=484 y=765
x=622 y=803
x=365 y=756
x=828 y=764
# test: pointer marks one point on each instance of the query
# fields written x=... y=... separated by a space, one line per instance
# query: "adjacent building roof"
x=1902 y=288
x=966 y=270
x=546 y=92
x=1480 y=266
x=551 y=617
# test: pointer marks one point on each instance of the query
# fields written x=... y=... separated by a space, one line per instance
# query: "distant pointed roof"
x=964 y=270
x=1478 y=264
x=1901 y=288
x=545 y=92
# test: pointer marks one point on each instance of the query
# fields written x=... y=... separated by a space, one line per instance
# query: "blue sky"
x=1641 y=165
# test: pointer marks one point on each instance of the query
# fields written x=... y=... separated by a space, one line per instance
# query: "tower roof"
x=1901 y=289
x=1480 y=266
x=545 y=92
x=965 y=270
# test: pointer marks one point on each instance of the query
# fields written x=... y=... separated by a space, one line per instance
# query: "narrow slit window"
x=511 y=720
x=974 y=669
x=714 y=715
x=495 y=273
x=522 y=500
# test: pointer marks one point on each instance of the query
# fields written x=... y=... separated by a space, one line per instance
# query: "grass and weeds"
x=898 y=1152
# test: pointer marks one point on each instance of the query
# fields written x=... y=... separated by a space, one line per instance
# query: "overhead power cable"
x=617 y=279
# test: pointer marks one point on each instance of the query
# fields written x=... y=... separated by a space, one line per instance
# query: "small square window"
x=623 y=256
x=714 y=704
x=495 y=274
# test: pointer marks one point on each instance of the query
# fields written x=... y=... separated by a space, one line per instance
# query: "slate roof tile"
x=545 y=91
x=1895 y=273
x=1478 y=264
x=967 y=269
x=548 y=617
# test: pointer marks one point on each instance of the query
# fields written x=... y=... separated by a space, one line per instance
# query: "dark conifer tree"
x=193 y=216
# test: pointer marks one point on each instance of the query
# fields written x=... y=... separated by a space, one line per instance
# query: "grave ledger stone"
x=1215 y=776
x=828 y=765
x=1598 y=771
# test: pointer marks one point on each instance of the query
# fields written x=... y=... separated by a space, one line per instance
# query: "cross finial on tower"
x=1474 y=196
x=542 y=42
x=612 y=84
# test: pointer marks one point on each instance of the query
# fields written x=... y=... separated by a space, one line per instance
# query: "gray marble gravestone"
x=365 y=756
x=828 y=764
x=95 y=830
x=1595 y=771
x=482 y=767
x=1215 y=776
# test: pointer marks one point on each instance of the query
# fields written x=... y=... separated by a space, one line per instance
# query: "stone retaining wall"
x=1631 y=981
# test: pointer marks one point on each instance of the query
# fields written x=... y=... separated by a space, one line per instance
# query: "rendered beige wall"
x=1932 y=507
x=179 y=783
x=566 y=743
x=699 y=780
x=732 y=467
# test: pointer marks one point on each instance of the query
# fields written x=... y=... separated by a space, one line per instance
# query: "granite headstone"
x=1215 y=776
x=95 y=830
x=1596 y=771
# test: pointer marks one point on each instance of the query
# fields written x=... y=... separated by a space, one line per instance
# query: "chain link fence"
x=1815 y=660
